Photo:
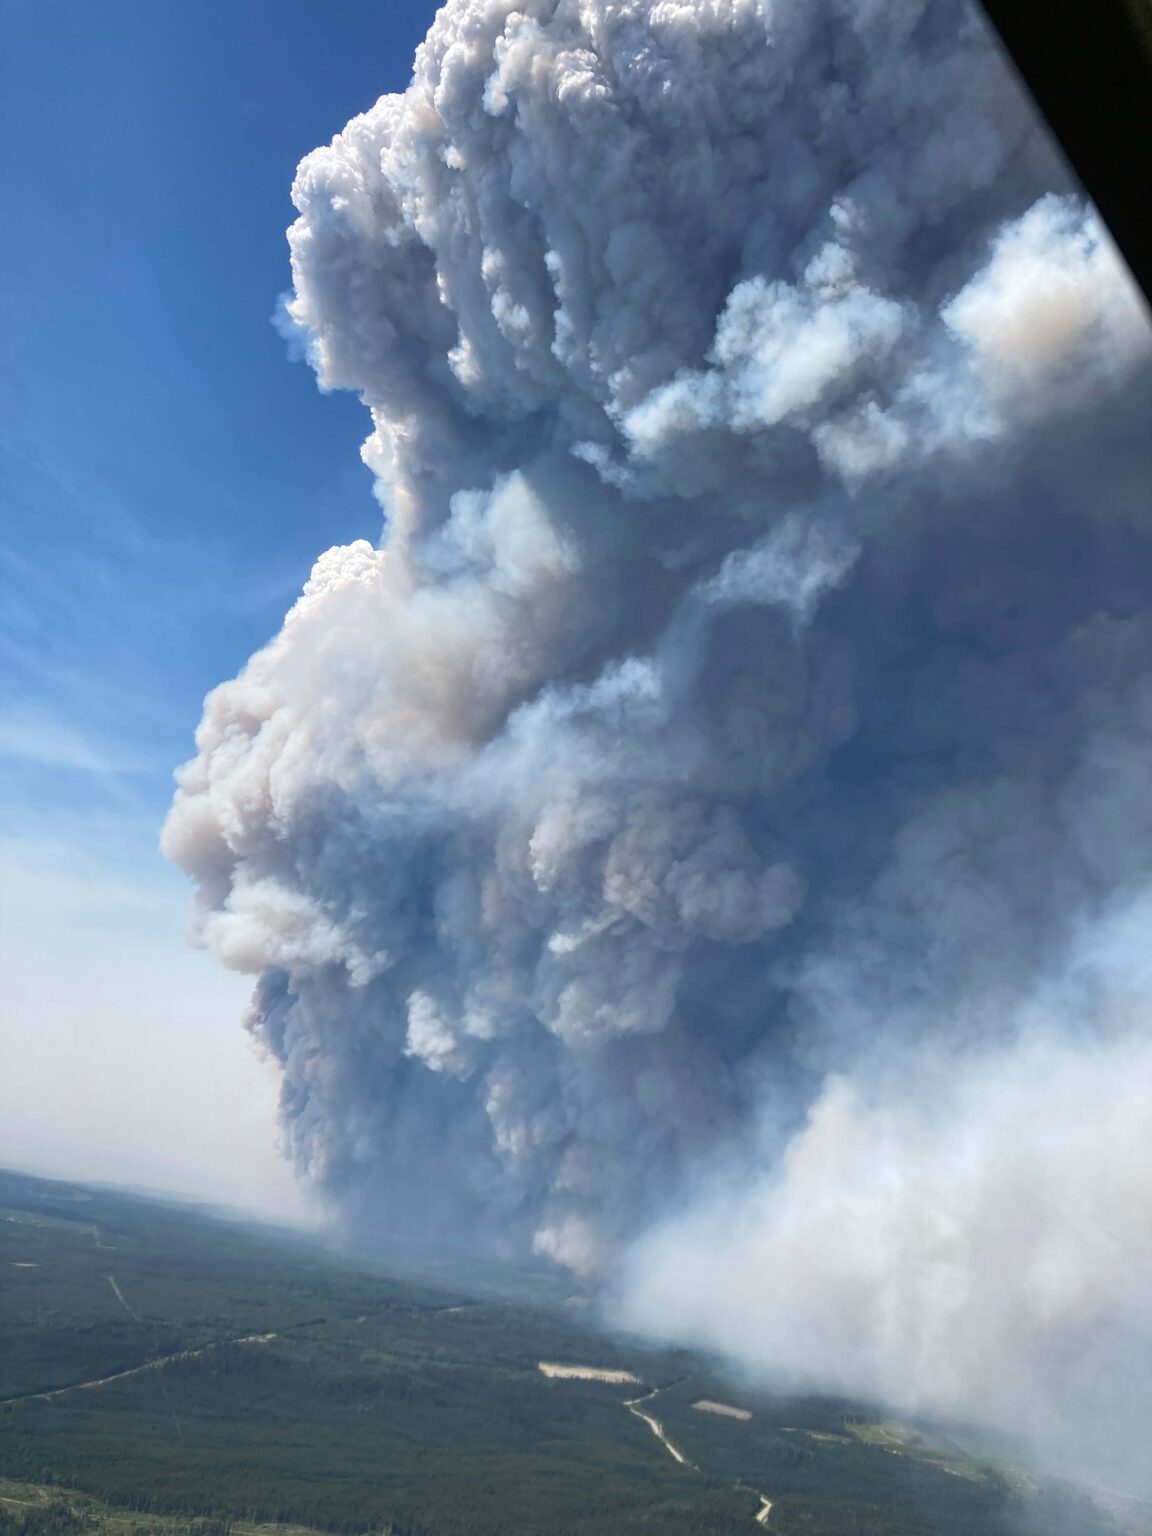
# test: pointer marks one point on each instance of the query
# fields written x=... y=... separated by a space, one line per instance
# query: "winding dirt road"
x=633 y=1406
x=135 y=1370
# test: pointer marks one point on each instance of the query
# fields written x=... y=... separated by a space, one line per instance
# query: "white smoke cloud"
x=747 y=706
x=1051 y=311
x=967 y=1235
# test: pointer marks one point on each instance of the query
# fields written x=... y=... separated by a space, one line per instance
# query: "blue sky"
x=167 y=476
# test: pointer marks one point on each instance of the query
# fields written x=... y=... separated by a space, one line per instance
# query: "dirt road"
x=135 y=1370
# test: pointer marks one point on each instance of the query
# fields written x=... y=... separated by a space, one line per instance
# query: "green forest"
x=166 y=1371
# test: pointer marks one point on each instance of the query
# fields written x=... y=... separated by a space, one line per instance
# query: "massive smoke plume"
x=709 y=840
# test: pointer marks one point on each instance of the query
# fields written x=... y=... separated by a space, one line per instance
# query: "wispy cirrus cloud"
x=29 y=736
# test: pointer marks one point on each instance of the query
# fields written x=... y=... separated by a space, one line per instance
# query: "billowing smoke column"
x=709 y=840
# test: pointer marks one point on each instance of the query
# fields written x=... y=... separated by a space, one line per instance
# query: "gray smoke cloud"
x=709 y=840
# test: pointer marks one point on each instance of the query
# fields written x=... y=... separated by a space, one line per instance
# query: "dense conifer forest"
x=164 y=1372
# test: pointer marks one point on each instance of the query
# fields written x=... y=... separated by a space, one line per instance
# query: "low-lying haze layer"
x=708 y=840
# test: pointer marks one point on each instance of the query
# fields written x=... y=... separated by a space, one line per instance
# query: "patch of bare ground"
x=586 y=1373
x=724 y=1410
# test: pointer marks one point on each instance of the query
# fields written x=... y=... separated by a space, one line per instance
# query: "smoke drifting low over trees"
x=708 y=840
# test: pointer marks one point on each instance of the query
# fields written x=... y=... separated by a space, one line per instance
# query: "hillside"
x=161 y=1367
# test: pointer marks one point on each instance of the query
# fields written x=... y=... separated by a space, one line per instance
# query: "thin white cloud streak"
x=33 y=736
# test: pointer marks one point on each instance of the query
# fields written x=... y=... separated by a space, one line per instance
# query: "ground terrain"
x=163 y=1370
